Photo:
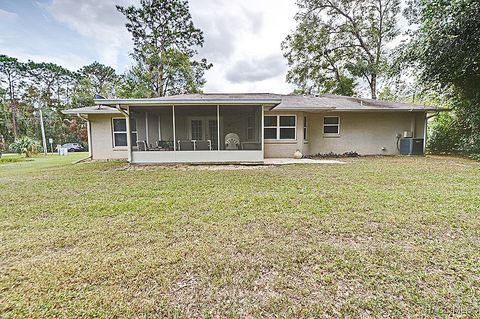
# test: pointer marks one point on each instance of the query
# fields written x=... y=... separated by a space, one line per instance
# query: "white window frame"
x=118 y=132
x=305 y=129
x=330 y=125
x=278 y=127
x=204 y=119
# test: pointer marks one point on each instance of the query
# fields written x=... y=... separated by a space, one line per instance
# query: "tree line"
x=345 y=47
x=164 y=63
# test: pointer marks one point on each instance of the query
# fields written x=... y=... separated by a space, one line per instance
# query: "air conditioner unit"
x=411 y=146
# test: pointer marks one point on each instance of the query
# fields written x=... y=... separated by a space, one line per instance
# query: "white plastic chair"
x=232 y=141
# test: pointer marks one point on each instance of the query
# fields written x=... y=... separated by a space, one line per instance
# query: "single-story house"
x=207 y=128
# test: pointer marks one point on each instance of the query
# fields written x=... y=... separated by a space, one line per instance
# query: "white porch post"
x=174 y=130
x=146 y=129
x=129 y=136
x=425 y=133
x=89 y=136
x=218 y=127
x=300 y=138
x=262 y=132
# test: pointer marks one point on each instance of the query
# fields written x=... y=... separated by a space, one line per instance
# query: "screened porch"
x=196 y=133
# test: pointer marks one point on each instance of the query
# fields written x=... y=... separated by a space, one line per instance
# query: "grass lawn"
x=376 y=237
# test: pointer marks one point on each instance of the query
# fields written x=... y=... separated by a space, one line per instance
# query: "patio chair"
x=185 y=145
x=165 y=145
x=142 y=146
x=232 y=141
x=203 y=145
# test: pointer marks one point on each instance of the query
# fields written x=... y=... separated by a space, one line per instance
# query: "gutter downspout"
x=129 y=136
x=122 y=110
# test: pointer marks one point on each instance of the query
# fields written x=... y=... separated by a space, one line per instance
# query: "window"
x=270 y=127
x=196 y=129
x=305 y=135
x=280 y=127
x=119 y=132
x=331 y=125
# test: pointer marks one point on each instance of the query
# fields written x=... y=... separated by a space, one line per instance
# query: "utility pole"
x=44 y=141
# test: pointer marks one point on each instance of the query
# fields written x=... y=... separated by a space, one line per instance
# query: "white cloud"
x=98 y=20
x=71 y=61
x=235 y=32
x=253 y=70
x=244 y=31
x=7 y=15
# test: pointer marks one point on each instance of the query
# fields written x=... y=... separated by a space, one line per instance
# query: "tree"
x=445 y=52
x=53 y=87
x=101 y=77
x=52 y=81
x=445 y=48
x=11 y=72
x=165 y=41
x=337 y=42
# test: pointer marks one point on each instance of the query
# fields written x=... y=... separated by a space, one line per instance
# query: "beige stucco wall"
x=364 y=133
x=286 y=148
x=102 y=139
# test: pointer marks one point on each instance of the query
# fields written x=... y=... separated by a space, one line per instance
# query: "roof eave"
x=147 y=102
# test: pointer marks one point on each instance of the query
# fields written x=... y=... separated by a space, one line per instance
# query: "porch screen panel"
x=240 y=128
x=195 y=127
x=158 y=128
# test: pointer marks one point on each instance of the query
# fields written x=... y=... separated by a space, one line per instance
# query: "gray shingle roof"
x=344 y=103
x=279 y=102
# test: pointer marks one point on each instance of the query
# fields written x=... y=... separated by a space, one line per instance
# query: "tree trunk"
x=14 y=121
x=160 y=82
x=373 y=86
x=13 y=107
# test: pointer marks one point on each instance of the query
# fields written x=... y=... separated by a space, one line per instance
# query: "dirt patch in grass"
x=186 y=167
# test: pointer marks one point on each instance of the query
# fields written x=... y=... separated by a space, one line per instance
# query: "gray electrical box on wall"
x=411 y=146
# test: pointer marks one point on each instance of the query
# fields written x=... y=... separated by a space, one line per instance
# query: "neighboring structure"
x=206 y=128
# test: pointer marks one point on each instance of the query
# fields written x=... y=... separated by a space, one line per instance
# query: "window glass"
x=119 y=132
x=287 y=133
x=330 y=129
x=330 y=120
x=270 y=133
x=305 y=132
x=196 y=129
x=280 y=127
x=287 y=120
x=120 y=139
x=119 y=125
x=270 y=121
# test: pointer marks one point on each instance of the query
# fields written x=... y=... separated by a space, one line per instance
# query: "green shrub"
x=445 y=136
x=25 y=145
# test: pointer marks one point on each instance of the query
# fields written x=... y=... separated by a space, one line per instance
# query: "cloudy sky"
x=242 y=37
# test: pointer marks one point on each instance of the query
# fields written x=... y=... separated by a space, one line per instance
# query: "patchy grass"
x=377 y=237
x=11 y=159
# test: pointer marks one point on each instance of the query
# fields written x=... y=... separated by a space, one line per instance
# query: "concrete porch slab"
x=286 y=161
